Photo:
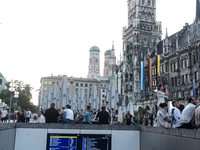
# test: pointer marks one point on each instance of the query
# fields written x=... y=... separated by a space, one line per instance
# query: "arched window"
x=149 y=17
x=186 y=62
x=149 y=3
x=175 y=66
x=96 y=61
x=183 y=63
x=143 y=16
x=143 y=2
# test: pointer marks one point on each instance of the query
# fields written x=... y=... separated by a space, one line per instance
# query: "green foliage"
x=142 y=110
x=24 y=99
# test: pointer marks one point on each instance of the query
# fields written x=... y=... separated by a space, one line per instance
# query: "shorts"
x=2 y=119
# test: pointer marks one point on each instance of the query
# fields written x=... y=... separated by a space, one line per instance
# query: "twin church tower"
x=94 y=62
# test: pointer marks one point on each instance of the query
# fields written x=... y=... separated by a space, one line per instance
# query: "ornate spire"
x=166 y=36
x=197 y=10
x=113 y=45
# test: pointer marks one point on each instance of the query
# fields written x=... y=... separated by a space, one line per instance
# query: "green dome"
x=108 y=52
x=94 y=49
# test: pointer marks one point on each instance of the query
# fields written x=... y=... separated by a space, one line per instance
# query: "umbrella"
x=49 y=97
x=131 y=109
x=73 y=102
x=55 y=93
x=112 y=97
x=120 y=114
x=45 y=100
x=94 y=98
x=64 y=95
x=82 y=99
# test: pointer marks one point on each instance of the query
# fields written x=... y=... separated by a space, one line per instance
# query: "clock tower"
x=94 y=62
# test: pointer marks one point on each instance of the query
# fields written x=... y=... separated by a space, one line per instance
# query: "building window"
x=145 y=41
x=85 y=85
x=76 y=89
x=101 y=85
x=143 y=2
x=76 y=84
x=149 y=3
x=96 y=61
x=175 y=66
x=90 y=85
x=172 y=81
x=49 y=82
x=45 y=88
x=183 y=63
x=186 y=63
x=104 y=85
x=149 y=17
x=183 y=79
x=103 y=91
x=81 y=84
x=175 y=81
x=45 y=82
x=194 y=58
x=172 y=67
x=143 y=16
x=187 y=79
x=196 y=76
x=0 y=81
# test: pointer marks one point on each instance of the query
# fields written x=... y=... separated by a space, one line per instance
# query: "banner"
x=119 y=83
x=142 y=75
x=150 y=73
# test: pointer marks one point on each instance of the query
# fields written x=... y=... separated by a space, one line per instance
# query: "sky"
x=43 y=37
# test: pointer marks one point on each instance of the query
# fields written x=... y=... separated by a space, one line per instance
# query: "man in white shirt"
x=41 y=118
x=67 y=115
x=187 y=113
x=175 y=112
x=3 y=115
x=28 y=115
x=161 y=94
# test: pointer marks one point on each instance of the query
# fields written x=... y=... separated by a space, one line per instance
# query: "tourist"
x=128 y=118
x=41 y=118
x=51 y=114
x=103 y=116
x=176 y=114
x=187 y=114
x=133 y=121
x=21 y=117
x=28 y=115
x=67 y=115
x=146 y=120
x=87 y=117
x=3 y=115
x=163 y=119
x=181 y=107
x=161 y=95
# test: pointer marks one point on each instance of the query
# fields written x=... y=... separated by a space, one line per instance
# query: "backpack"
x=172 y=115
x=79 y=119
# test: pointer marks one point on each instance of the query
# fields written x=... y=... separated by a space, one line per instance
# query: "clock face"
x=97 y=70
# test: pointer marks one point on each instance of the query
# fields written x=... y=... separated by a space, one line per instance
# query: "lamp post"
x=12 y=88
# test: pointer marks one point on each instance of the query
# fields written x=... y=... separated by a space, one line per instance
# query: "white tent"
x=64 y=95
x=55 y=94
x=49 y=97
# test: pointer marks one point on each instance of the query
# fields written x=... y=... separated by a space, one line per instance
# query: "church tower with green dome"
x=94 y=63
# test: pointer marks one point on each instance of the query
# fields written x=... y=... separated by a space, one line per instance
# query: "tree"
x=24 y=99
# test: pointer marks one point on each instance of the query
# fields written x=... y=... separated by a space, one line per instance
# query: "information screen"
x=96 y=142
x=62 y=142
x=78 y=142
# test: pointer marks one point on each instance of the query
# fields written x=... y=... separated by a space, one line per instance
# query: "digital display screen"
x=78 y=142
x=96 y=142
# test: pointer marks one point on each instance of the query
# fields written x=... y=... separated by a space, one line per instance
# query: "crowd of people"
x=179 y=117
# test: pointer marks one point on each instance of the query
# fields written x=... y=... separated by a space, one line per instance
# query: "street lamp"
x=13 y=88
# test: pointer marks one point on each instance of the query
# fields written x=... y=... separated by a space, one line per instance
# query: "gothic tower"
x=107 y=55
x=139 y=39
x=94 y=62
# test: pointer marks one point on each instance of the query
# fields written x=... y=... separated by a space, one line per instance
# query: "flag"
x=158 y=65
x=142 y=75
x=128 y=107
x=119 y=83
x=116 y=81
x=137 y=106
x=193 y=89
x=150 y=73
